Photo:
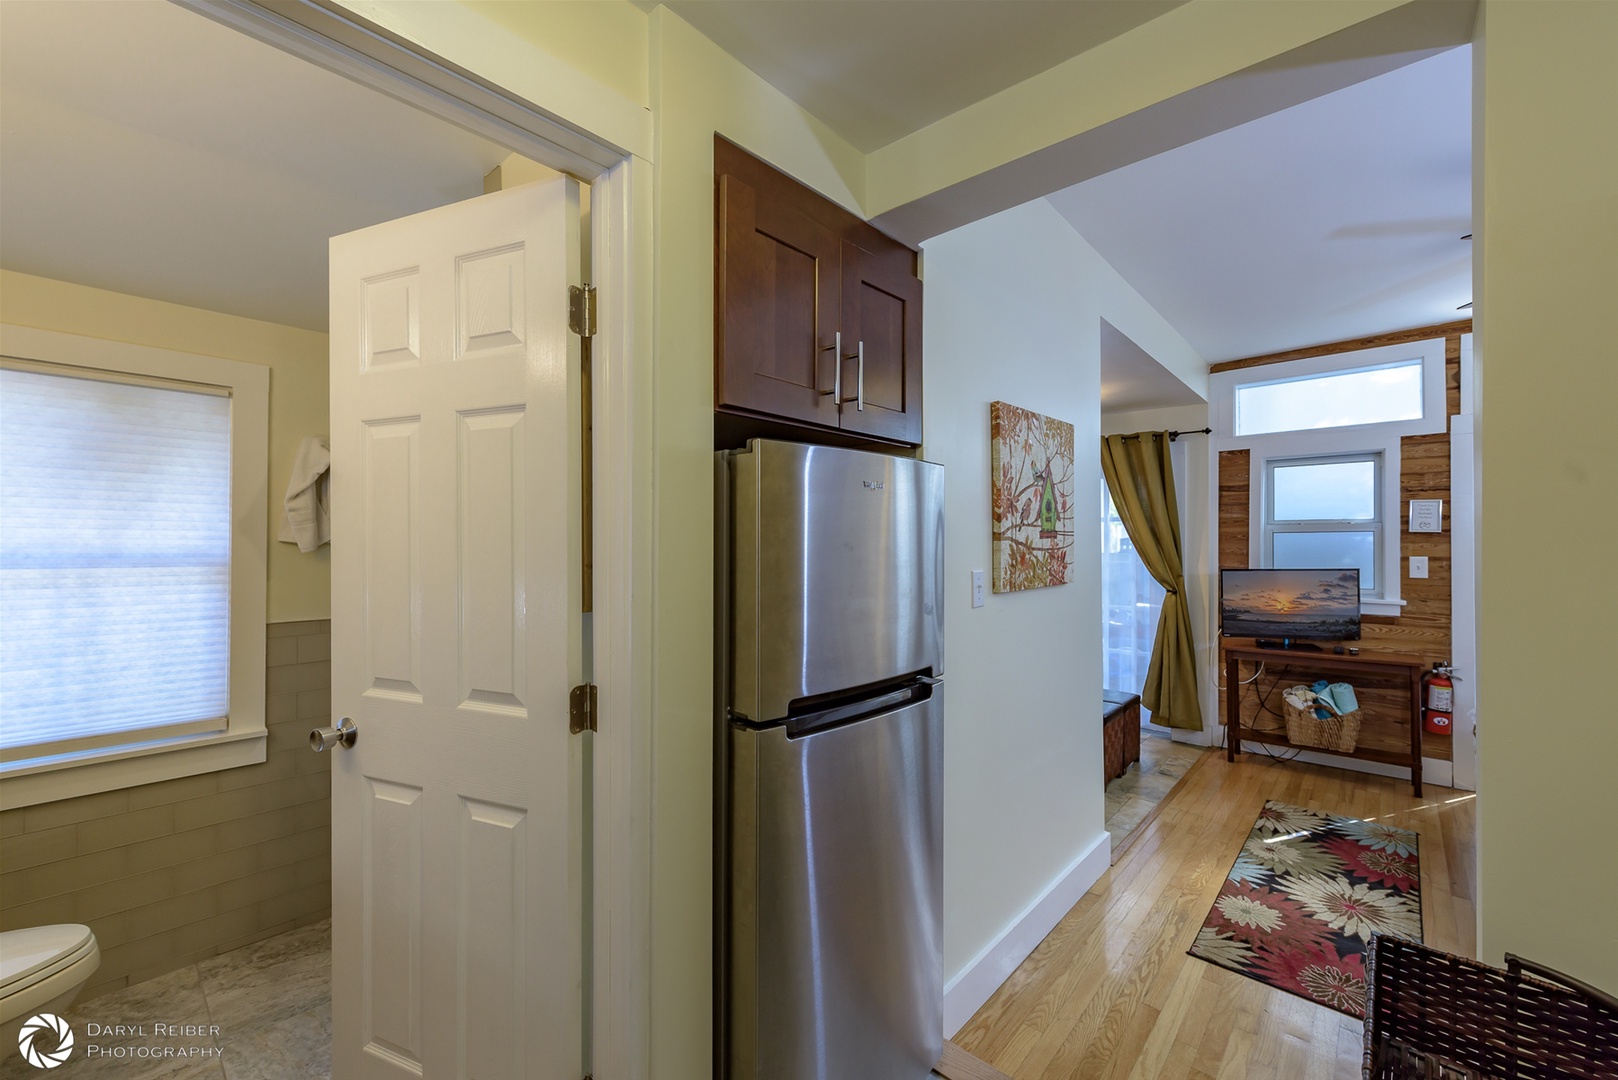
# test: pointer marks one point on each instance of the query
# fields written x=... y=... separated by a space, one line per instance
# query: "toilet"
x=42 y=969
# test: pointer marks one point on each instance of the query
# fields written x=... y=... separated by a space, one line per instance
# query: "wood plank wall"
x=1424 y=628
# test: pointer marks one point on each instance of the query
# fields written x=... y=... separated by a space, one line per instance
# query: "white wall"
x=1013 y=313
x=1196 y=479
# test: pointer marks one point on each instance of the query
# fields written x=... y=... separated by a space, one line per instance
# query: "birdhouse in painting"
x=1047 y=506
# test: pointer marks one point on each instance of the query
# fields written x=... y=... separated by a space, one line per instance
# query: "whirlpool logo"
x=45 y=1041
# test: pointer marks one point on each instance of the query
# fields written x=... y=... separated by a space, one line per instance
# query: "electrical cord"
x=1263 y=707
x=1242 y=682
x=1219 y=686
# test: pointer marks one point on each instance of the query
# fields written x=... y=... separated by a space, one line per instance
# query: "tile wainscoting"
x=170 y=874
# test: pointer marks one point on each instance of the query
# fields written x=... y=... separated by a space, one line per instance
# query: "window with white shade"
x=1325 y=513
x=131 y=565
x=114 y=561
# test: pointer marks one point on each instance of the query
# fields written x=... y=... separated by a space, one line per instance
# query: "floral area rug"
x=1308 y=890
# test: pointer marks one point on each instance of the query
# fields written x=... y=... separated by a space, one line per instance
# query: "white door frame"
x=1463 y=572
x=620 y=226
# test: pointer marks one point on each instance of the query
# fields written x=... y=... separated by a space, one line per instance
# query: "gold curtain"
x=1141 y=479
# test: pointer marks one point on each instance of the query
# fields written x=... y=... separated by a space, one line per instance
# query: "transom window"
x=1325 y=513
x=1368 y=395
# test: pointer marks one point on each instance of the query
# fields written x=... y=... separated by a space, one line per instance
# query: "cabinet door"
x=882 y=317
x=778 y=308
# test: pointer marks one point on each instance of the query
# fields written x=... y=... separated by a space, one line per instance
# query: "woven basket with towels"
x=1324 y=716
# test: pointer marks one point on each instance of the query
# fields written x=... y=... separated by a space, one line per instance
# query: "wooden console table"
x=1386 y=665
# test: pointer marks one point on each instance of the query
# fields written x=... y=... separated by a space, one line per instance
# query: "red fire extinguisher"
x=1439 y=715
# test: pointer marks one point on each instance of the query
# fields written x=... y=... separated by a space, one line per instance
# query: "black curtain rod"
x=1174 y=435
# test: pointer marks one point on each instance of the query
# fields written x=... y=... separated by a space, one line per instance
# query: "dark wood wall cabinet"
x=817 y=314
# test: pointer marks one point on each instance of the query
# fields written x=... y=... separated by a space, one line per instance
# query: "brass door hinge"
x=581 y=310
x=581 y=709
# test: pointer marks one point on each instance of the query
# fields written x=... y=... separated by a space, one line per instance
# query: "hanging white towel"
x=306 y=518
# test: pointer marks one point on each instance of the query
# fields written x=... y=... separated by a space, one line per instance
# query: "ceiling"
x=151 y=151
x=877 y=70
x=1338 y=218
x=1132 y=379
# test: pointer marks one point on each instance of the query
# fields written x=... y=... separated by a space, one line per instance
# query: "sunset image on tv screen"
x=1291 y=603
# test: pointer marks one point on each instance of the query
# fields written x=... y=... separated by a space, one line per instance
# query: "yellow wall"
x=604 y=39
x=300 y=585
x=1546 y=272
x=696 y=90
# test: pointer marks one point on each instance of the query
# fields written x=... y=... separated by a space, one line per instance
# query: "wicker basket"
x=1339 y=733
x=1430 y=1015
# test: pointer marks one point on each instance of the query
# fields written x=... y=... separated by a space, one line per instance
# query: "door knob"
x=342 y=735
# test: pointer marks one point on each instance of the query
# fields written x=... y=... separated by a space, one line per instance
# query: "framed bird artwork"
x=1031 y=466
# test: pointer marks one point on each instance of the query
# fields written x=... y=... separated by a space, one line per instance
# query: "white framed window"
x=1324 y=439
x=1371 y=394
x=132 y=564
x=1379 y=394
x=1325 y=512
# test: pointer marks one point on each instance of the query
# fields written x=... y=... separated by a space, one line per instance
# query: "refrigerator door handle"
x=917 y=690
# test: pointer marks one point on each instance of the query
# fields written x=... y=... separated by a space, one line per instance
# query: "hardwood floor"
x=1136 y=795
x=957 y=1064
x=1111 y=993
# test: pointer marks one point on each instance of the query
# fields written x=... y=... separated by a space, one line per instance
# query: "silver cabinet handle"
x=836 y=348
x=859 y=386
x=344 y=735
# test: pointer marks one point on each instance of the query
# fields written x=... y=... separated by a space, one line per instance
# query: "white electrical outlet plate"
x=1418 y=566
x=977 y=588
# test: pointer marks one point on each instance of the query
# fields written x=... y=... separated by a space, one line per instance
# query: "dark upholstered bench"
x=1120 y=731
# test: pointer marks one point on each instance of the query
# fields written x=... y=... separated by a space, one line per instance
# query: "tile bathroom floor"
x=270 y=1001
x=1147 y=782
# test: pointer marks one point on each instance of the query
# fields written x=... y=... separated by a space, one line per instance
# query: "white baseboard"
x=974 y=984
x=1433 y=770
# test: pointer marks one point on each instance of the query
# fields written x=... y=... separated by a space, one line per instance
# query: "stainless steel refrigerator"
x=829 y=764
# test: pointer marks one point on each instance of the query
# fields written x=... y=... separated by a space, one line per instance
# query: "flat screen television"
x=1290 y=604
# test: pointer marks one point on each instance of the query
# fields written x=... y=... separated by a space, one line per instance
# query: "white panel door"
x=456 y=816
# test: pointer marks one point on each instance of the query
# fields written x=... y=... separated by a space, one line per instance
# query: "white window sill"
x=28 y=783
x=1393 y=607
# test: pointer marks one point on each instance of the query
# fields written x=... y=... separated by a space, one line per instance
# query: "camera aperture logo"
x=45 y=1040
